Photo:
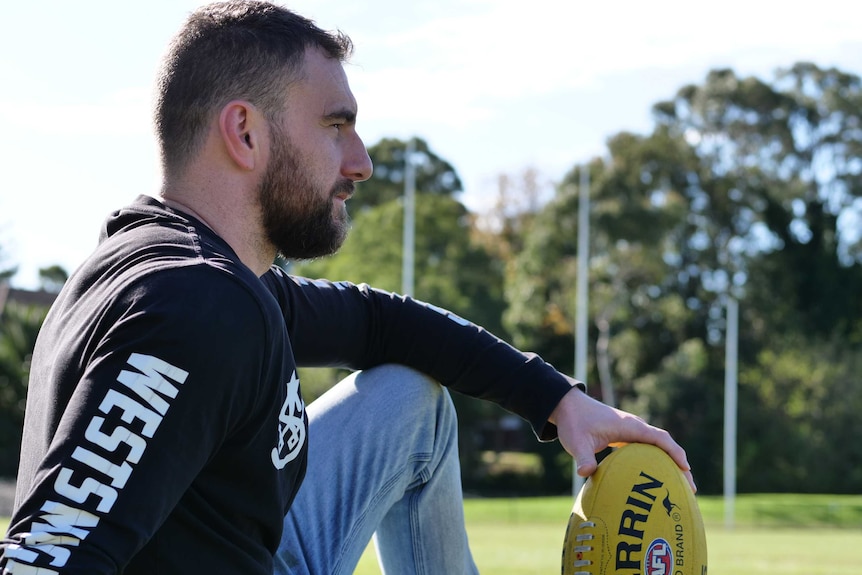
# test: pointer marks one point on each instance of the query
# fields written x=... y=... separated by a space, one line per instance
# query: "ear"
x=242 y=129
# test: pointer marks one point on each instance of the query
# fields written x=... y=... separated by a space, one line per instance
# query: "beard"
x=299 y=216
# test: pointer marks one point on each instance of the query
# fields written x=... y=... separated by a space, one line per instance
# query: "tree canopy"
x=745 y=188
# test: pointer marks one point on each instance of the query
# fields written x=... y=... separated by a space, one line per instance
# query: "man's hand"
x=586 y=426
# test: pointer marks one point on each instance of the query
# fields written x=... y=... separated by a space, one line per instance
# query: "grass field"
x=786 y=534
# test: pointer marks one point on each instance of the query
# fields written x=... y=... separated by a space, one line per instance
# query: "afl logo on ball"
x=658 y=559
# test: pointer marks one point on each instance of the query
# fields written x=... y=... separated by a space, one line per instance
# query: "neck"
x=180 y=206
x=234 y=221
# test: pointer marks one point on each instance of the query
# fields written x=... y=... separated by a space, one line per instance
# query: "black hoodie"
x=165 y=428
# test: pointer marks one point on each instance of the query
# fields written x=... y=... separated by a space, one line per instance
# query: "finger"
x=691 y=482
x=674 y=449
x=587 y=464
x=663 y=440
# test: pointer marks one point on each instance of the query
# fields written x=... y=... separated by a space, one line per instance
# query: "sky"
x=494 y=87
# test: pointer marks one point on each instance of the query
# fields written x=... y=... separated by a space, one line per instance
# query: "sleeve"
x=341 y=324
x=154 y=402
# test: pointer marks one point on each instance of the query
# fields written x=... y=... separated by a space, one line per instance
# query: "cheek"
x=319 y=153
x=327 y=170
x=322 y=158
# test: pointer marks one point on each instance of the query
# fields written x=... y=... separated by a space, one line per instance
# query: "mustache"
x=344 y=187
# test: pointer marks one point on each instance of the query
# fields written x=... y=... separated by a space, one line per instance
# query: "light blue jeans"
x=382 y=461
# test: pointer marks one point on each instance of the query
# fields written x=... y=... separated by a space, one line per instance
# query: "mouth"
x=344 y=191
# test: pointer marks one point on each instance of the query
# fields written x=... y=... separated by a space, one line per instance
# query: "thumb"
x=586 y=462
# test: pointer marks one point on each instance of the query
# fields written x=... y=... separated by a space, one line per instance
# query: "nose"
x=357 y=164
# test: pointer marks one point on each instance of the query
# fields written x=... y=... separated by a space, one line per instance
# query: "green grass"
x=787 y=534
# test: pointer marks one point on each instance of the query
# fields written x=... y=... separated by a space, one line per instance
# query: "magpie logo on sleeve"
x=291 y=426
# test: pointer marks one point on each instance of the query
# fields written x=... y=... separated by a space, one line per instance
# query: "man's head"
x=240 y=49
x=257 y=90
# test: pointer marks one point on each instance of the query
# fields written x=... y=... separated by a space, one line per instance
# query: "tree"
x=18 y=330
x=52 y=278
x=744 y=188
x=6 y=273
x=803 y=399
x=637 y=316
x=502 y=227
x=771 y=212
x=634 y=208
x=787 y=165
x=684 y=395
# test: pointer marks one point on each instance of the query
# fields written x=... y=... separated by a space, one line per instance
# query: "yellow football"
x=636 y=515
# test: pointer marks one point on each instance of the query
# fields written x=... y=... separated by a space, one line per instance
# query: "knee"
x=409 y=394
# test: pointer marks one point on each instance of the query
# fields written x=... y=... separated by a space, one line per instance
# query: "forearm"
x=359 y=327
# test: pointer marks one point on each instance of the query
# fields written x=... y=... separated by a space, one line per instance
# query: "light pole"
x=409 y=243
x=582 y=304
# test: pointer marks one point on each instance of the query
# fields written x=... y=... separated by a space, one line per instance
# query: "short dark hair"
x=240 y=49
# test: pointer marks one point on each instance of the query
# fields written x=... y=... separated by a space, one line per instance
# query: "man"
x=165 y=430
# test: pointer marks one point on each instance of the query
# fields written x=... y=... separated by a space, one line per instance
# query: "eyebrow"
x=344 y=114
